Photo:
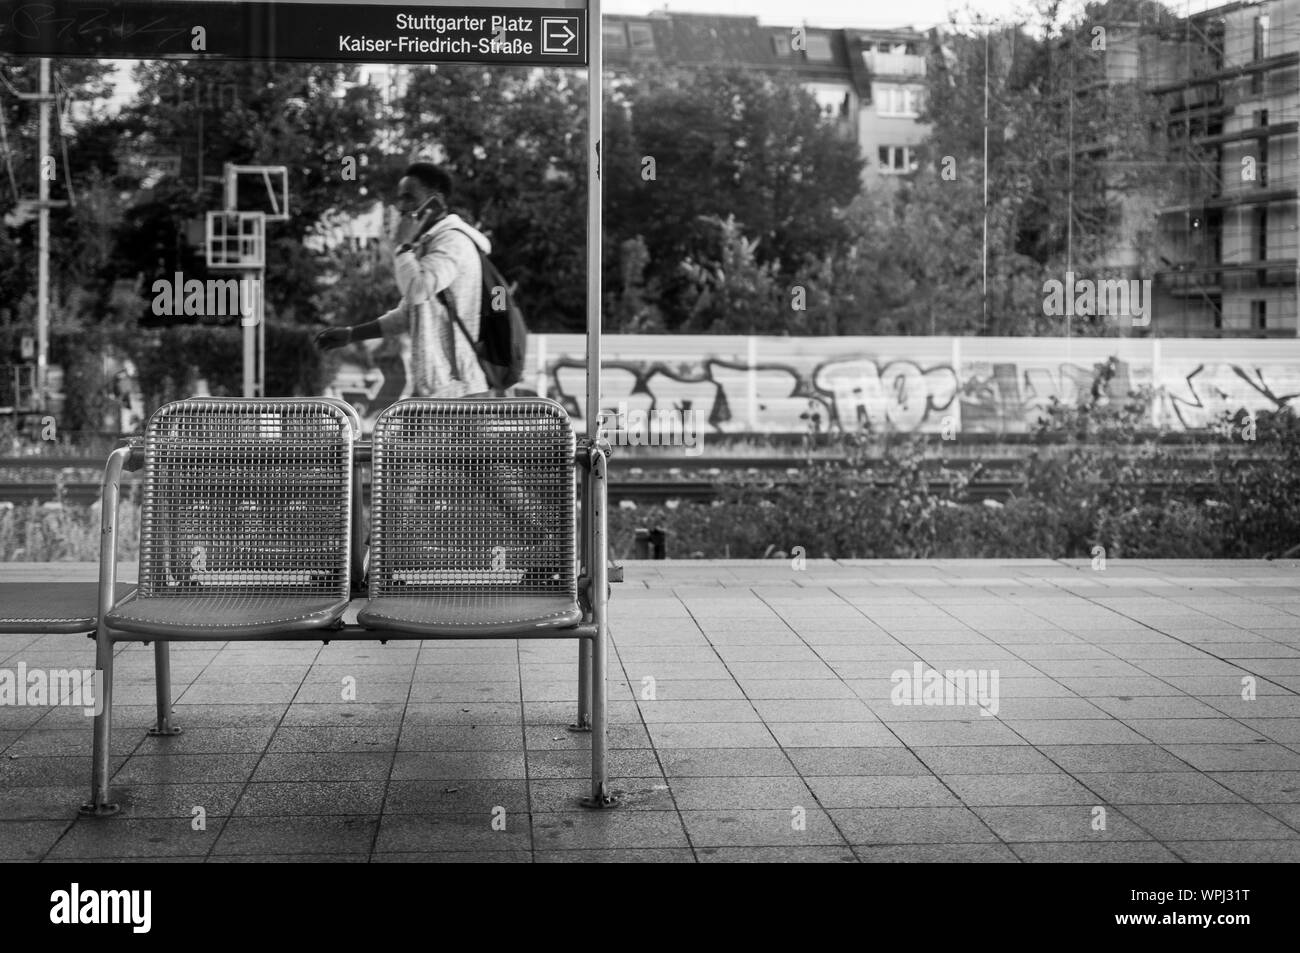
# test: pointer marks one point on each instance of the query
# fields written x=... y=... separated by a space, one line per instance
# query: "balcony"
x=893 y=64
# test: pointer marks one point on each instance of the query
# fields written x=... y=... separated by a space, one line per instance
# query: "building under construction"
x=1226 y=239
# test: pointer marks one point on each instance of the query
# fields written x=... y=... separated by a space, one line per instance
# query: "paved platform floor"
x=1149 y=711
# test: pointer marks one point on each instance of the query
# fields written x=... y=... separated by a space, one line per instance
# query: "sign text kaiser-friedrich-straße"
x=328 y=31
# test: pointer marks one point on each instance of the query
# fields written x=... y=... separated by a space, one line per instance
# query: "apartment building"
x=870 y=83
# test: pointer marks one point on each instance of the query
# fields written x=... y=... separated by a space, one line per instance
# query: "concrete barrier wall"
x=914 y=384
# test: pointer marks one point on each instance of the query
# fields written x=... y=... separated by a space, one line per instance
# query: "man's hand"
x=405 y=229
x=334 y=337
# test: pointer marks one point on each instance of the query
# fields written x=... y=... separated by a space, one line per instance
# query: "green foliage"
x=724 y=142
x=733 y=291
x=1119 y=490
x=513 y=142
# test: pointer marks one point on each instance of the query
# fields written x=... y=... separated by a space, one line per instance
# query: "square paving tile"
x=1107 y=852
x=311 y=798
x=935 y=854
x=296 y=835
x=608 y=829
x=977 y=759
x=323 y=766
x=30 y=840
x=878 y=790
x=721 y=793
x=1075 y=823
x=456 y=796
x=1041 y=789
x=1158 y=787
x=911 y=825
x=776 y=855
x=479 y=831
x=715 y=735
x=94 y=838
x=796 y=826
x=1170 y=822
x=725 y=762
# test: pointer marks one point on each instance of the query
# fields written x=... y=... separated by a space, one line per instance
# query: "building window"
x=834 y=103
x=897 y=101
x=819 y=48
x=1259 y=315
x=1261 y=234
x=898 y=160
x=642 y=36
x=614 y=37
x=1261 y=36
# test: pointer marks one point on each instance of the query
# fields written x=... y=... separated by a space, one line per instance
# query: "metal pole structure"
x=595 y=124
x=99 y=803
x=984 y=296
x=43 y=238
x=249 y=332
x=259 y=293
x=597 y=476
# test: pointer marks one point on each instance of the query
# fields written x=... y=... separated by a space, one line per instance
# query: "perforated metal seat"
x=472 y=519
x=56 y=608
x=245 y=525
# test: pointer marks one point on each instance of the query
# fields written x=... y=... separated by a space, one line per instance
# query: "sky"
x=864 y=13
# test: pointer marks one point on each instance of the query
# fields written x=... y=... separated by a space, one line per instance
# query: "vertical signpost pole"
x=249 y=333
x=598 y=474
x=43 y=239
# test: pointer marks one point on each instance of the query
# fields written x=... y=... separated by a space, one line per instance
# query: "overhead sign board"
x=521 y=33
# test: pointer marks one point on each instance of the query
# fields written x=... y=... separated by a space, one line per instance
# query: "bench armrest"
x=110 y=492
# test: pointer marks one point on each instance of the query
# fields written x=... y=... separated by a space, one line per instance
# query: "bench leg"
x=583 y=723
x=162 y=666
x=100 y=804
x=584 y=687
x=598 y=572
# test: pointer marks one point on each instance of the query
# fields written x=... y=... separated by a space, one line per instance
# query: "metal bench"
x=251 y=529
x=52 y=608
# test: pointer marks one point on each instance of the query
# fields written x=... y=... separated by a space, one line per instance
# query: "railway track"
x=636 y=491
x=637 y=479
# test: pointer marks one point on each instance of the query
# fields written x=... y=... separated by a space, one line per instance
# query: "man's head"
x=421 y=182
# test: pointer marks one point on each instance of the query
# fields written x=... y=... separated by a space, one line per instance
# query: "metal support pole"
x=595 y=124
x=43 y=240
x=99 y=804
x=583 y=722
x=250 y=345
x=358 y=557
x=600 y=797
x=162 y=667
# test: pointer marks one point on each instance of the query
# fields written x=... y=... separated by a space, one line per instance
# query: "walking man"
x=436 y=251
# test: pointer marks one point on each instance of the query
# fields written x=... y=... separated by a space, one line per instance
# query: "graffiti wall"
x=926 y=384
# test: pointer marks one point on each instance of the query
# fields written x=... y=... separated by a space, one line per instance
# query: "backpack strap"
x=445 y=298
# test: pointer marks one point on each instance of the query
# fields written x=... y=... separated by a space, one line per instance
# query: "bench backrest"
x=473 y=498
x=245 y=496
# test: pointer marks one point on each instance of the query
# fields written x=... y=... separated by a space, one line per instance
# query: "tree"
x=212 y=112
x=1070 y=141
x=690 y=148
x=513 y=140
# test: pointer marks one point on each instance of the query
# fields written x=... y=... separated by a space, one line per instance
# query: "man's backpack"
x=503 y=335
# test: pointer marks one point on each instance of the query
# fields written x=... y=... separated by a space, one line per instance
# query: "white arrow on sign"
x=554 y=41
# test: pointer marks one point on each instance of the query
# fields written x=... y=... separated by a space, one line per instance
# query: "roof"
x=682 y=39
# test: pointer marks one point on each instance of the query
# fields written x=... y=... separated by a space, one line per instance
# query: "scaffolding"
x=1228 y=80
x=1216 y=226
